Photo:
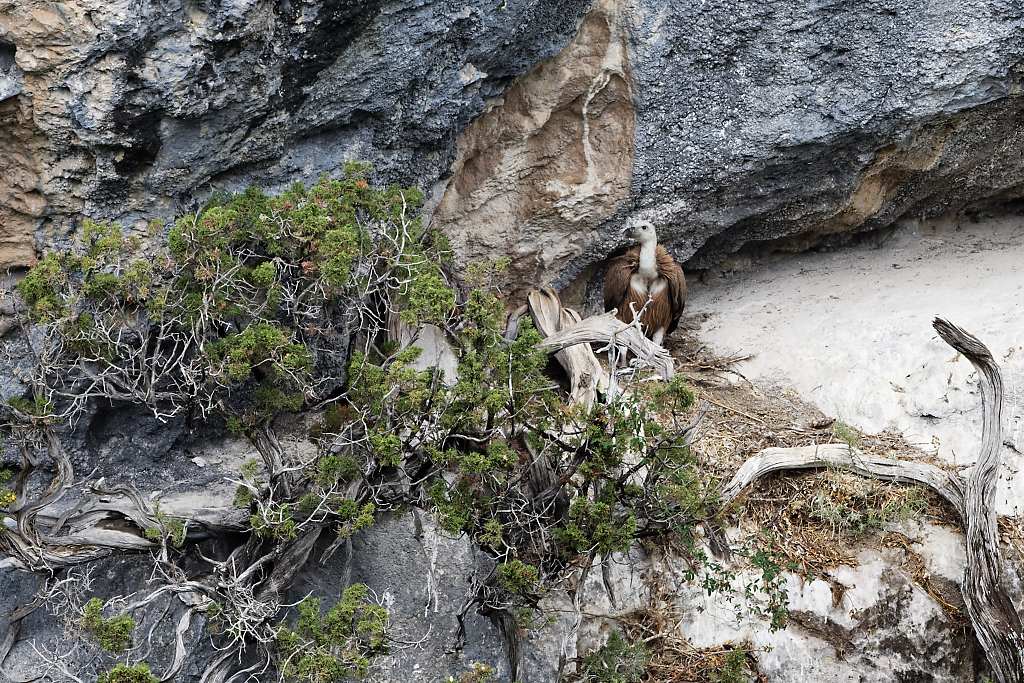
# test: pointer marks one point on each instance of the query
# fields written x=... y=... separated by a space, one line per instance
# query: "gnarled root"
x=996 y=622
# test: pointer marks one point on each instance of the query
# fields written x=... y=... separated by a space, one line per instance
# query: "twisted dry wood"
x=586 y=376
x=947 y=484
x=997 y=624
x=607 y=329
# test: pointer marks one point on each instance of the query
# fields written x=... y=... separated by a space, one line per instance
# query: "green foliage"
x=122 y=673
x=617 y=661
x=233 y=309
x=7 y=496
x=263 y=275
x=846 y=433
x=283 y=365
x=496 y=459
x=341 y=246
x=104 y=270
x=480 y=439
x=114 y=634
x=170 y=528
x=104 y=239
x=263 y=345
x=675 y=394
x=479 y=672
x=276 y=521
x=430 y=299
x=335 y=469
x=43 y=285
x=354 y=518
x=492 y=534
x=517 y=577
x=455 y=505
x=594 y=526
x=390 y=388
x=771 y=584
x=733 y=668
x=244 y=495
x=38 y=406
x=243 y=498
x=328 y=646
x=764 y=595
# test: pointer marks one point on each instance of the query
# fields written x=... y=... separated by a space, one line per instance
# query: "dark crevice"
x=10 y=74
x=142 y=144
x=7 y=52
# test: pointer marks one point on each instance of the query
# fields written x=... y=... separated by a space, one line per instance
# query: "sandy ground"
x=850 y=331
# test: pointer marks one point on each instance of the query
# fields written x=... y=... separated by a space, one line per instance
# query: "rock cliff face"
x=538 y=173
x=539 y=127
x=128 y=110
x=751 y=122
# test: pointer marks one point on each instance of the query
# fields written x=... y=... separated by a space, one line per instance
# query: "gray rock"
x=424 y=577
x=762 y=120
x=540 y=127
x=144 y=107
x=45 y=633
x=743 y=122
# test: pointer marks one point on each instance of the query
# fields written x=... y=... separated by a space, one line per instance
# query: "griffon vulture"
x=646 y=271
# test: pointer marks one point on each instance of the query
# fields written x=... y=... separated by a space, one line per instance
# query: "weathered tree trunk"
x=608 y=330
x=997 y=624
x=586 y=376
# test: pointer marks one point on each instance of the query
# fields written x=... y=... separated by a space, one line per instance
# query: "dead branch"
x=586 y=376
x=996 y=622
x=947 y=484
x=607 y=329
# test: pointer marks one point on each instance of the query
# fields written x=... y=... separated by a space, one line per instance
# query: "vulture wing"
x=617 y=278
x=673 y=274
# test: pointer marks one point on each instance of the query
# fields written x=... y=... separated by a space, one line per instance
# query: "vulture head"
x=643 y=232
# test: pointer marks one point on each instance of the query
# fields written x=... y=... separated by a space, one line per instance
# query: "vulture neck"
x=648 y=266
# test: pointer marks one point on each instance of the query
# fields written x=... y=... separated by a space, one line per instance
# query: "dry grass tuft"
x=1011 y=535
x=817 y=520
x=675 y=660
x=820 y=520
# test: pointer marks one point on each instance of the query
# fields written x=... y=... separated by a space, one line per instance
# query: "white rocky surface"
x=850 y=331
x=855 y=624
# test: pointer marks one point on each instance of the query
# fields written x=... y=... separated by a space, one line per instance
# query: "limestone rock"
x=751 y=122
x=128 y=111
x=550 y=161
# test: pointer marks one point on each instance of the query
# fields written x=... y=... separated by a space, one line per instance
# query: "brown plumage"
x=625 y=284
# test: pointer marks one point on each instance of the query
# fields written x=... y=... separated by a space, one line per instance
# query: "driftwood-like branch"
x=607 y=329
x=997 y=624
x=180 y=649
x=586 y=376
x=947 y=484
